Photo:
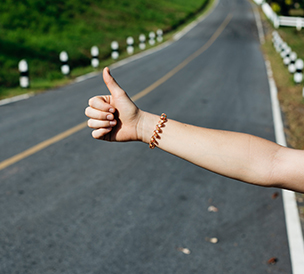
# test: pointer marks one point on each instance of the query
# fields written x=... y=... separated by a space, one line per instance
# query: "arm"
x=235 y=155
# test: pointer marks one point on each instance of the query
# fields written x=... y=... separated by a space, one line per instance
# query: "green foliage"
x=38 y=30
x=283 y=7
x=276 y=7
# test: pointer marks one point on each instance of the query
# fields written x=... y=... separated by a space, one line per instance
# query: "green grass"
x=39 y=30
x=290 y=94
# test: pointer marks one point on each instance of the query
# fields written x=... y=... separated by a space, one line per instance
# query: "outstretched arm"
x=235 y=155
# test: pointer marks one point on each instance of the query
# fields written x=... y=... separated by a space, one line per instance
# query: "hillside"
x=38 y=30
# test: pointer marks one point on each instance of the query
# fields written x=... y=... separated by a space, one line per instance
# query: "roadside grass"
x=289 y=93
x=172 y=16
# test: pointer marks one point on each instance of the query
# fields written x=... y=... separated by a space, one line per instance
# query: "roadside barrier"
x=142 y=41
x=271 y=15
x=115 y=48
x=277 y=21
x=64 y=57
x=94 y=54
x=130 y=43
x=24 y=74
x=291 y=66
x=298 y=76
x=289 y=21
x=159 y=33
x=290 y=59
x=65 y=68
x=152 y=38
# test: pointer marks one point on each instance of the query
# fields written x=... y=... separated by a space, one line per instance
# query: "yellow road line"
x=41 y=146
x=185 y=62
x=139 y=95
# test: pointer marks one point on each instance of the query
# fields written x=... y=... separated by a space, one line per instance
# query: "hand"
x=113 y=117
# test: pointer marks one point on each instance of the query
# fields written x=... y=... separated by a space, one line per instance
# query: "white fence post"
x=152 y=38
x=159 y=33
x=287 y=21
x=94 y=54
x=65 y=68
x=298 y=76
x=291 y=66
x=130 y=42
x=299 y=24
x=142 y=41
x=24 y=75
x=115 y=47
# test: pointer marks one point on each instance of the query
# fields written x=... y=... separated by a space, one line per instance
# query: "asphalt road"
x=86 y=206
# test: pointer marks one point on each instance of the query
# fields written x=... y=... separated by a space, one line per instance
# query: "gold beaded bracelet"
x=157 y=131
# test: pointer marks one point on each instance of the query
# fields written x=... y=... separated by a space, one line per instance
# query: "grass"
x=75 y=26
x=290 y=94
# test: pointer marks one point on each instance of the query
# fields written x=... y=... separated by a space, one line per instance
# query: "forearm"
x=236 y=155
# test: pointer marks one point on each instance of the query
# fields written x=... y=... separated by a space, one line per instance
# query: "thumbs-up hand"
x=113 y=117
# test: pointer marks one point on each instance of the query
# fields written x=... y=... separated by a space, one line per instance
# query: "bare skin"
x=236 y=155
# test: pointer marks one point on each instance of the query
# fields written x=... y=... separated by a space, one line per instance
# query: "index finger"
x=101 y=103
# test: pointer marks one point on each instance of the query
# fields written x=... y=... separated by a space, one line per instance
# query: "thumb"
x=111 y=84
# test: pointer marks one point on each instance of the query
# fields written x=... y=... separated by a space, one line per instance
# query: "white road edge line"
x=16 y=98
x=292 y=219
x=258 y=23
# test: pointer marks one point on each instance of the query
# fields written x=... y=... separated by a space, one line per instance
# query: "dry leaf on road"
x=272 y=260
x=184 y=250
x=212 y=240
x=212 y=209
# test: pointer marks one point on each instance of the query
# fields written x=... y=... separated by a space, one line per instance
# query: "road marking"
x=293 y=226
x=186 y=61
x=180 y=34
x=258 y=24
x=41 y=146
x=67 y=133
x=16 y=98
x=292 y=219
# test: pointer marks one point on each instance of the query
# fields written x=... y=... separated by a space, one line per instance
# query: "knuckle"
x=93 y=101
x=100 y=115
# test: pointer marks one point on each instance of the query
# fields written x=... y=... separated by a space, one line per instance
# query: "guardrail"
x=289 y=21
x=290 y=59
x=23 y=67
x=271 y=15
x=277 y=21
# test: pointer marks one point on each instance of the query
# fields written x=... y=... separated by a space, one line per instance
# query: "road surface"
x=84 y=206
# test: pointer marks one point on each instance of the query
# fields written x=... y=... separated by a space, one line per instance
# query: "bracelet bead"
x=157 y=131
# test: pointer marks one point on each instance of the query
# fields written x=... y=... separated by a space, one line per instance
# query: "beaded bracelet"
x=157 y=131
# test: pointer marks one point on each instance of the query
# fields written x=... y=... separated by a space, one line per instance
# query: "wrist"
x=146 y=125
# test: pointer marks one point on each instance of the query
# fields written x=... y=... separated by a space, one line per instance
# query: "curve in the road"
x=69 y=132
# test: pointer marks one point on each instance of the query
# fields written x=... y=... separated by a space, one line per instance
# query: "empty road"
x=78 y=205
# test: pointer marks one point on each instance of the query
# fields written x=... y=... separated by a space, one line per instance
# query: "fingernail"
x=110 y=117
x=113 y=123
x=112 y=110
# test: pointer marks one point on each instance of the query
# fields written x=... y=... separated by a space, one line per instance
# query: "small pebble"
x=212 y=240
x=184 y=250
x=212 y=209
